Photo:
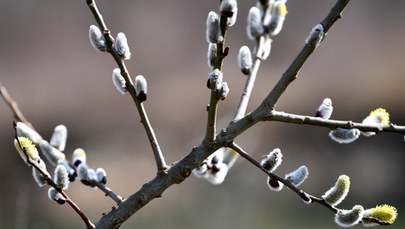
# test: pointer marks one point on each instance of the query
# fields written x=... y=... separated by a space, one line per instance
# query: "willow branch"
x=292 y=71
x=108 y=192
x=157 y=152
x=18 y=115
x=332 y=124
x=50 y=182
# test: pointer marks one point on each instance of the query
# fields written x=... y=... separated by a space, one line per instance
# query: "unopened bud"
x=97 y=39
x=315 y=36
x=56 y=196
x=79 y=157
x=272 y=160
x=141 y=88
x=101 y=175
x=274 y=184
x=278 y=13
x=25 y=131
x=38 y=177
x=224 y=91
x=349 y=218
x=245 y=60
x=51 y=153
x=61 y=177
x=121 y=46
x=229 y=8
x=325 y=109
x=212 y=54
x=344 y=136
x=213 y=31
x=119 y=81
x=59 y=136
x=298 y=176
x=215 y=80
x=254 y=27
x=305 y=197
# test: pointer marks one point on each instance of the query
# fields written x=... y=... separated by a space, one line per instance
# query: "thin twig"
x=332 y=124
x=18 y=115
x=292 y=71
x=108 y=192
x=51 y=183
x=157 y=152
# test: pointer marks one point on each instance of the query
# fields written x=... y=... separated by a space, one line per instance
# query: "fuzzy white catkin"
x=141 y=87
x=315 y=36
x=336 y=194
x=59 y=137
x=298 y=176
x=349 y=218
x=79 y=157
x=245 y=61
x=229 y=8
x=38 y=177
x=272 y=160
x=122 y=47
x=215 y=79
x=217 y=177
x=344 y=136
x=51 y=153
x=254 y=23
x=82 y=172
x=266 y=48
x=325 y=109
x=224 y=91
x=213 y=30
x=119 y=81
x=61 y=177
x=101 y=175
x=212 y=54
x=25 y=131
x=278 y=13
x=56 y=196
x=97 y=39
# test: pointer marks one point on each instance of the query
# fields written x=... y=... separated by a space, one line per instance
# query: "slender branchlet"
x=119 y=59
x=18 y=115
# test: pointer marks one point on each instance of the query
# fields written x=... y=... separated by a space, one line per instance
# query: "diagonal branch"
x=157 y=152
x=333 y=124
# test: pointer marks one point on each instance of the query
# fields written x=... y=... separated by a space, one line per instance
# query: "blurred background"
x=51 y=70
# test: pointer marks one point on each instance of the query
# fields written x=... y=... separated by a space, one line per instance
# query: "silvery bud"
x=101 y=175
x=344 y=136
x=61 y=177
x=349 y=218
x=38 y=177
x=51 y=153
x=274 y=184
x=59 y=136
x=338 y=192
x=213 y=32
x=298 y=176
x=141 y=88
x=229 y=8
x=223 y=92
x=272 y=160
x=212 y=54
x=254 y=23
x=121 y=46
x=56 y=196
x=315 y=36
x=119 y=81
x=97 y=39
x=245 y=61
x=25 y=131
x=79 y=157
x=215 y=80
x=325 y=109
x=278 y=13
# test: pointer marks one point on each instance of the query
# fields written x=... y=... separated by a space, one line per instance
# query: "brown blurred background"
x=50 y=69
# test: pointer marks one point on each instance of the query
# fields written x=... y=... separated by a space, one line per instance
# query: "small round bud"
x=215 y=80
x=305 y=197
x=315 y=36
x=274 y=184
x=101 y=175
x=325 y=109
x=141 y=88
x=224 y=91
x=56 y=196
x=272 y=160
